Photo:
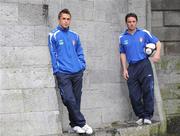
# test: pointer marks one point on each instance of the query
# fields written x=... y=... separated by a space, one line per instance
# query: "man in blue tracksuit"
x=139 y=74
x=68 y=64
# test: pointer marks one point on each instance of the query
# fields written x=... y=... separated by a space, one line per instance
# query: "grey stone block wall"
x=165 y=5
x=171 y=18
x=29 y=103
x=167 y=34
x=28 y=100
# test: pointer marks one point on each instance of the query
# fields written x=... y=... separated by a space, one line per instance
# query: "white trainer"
x=147 y=121
x=78 y=130
x=139 y=121
x=87 y=129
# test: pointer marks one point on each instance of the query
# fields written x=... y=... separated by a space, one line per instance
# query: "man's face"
x=65 y=20
x=131 y=23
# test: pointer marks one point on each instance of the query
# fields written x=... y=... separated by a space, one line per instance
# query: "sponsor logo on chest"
x=61 y=42
x=125 y=42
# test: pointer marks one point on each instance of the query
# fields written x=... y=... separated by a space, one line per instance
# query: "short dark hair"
x=64 y=11
x=131 y=15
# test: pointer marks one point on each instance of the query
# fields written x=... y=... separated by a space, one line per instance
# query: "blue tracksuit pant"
x=141 y=88
x=70 y=86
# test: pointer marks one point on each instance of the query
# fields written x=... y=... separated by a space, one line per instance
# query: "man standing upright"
x=68 y=64
x=139 y=74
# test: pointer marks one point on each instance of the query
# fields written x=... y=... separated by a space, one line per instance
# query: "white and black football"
x=150 y=49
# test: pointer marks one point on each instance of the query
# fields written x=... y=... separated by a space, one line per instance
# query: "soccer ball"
x=150 y=49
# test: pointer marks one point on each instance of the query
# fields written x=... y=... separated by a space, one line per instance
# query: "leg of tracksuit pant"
x=148 y=89
x=77 y=87
x=68 y=98
x=135 y=92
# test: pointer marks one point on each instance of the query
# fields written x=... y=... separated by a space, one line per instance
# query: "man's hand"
x=125 y=74
x=155 y=58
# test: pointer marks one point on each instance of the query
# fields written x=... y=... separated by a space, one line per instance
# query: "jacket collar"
x=62 y=29
x=126 y=32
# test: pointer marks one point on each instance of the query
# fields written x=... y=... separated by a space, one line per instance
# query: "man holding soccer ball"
x=133 y=47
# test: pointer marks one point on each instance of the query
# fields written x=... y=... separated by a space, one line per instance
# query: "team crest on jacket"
x=141 y=39
x=73 y=42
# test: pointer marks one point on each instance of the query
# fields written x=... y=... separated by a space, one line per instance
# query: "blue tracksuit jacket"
x=66 y=51
x=133 y=44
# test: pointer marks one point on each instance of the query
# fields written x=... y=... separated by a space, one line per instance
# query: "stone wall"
x=166 y=25
x=28 y=100
x=29 y=103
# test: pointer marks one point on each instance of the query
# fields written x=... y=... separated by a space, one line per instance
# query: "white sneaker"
x=147 y=121
x=139 y=121
x=78 y=130
x=87 y=129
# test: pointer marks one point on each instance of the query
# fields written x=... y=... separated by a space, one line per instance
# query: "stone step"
x=124 y=129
